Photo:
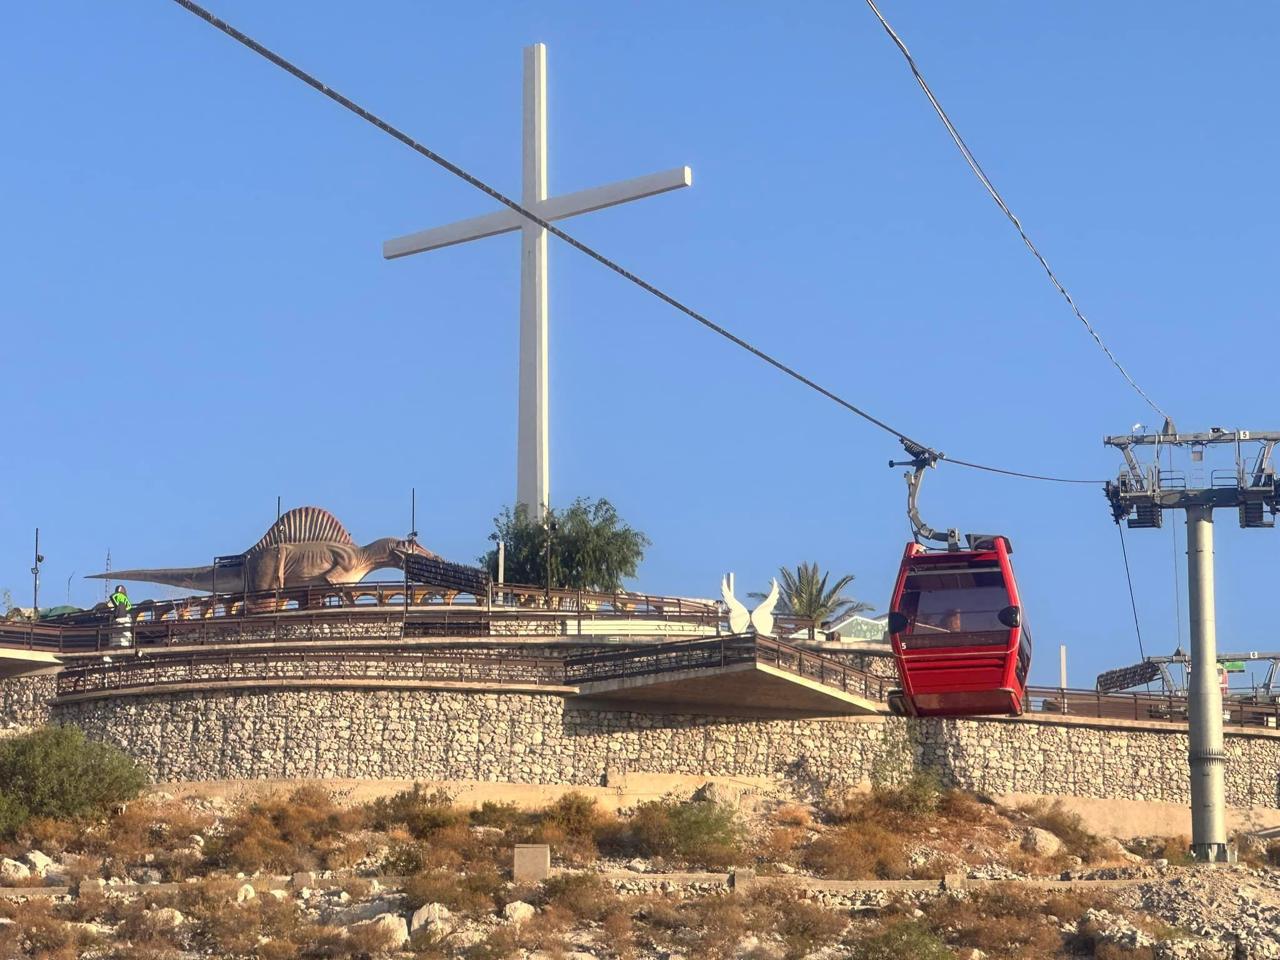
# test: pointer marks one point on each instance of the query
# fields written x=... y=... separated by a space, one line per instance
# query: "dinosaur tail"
x=189 y=578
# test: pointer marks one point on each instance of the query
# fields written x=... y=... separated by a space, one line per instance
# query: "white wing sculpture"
x=739 y=618
x=762 y=616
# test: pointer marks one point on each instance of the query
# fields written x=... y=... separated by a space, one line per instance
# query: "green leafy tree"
x=55 y=772
x=591 y=547
x=804 y=593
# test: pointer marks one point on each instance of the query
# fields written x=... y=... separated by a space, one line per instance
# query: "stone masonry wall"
x=24 y=701
x=539 y=738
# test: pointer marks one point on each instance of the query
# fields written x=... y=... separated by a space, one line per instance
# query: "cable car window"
x=954 y=601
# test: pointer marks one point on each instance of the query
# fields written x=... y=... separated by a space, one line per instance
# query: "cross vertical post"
x=533 y=471
x=533 y=468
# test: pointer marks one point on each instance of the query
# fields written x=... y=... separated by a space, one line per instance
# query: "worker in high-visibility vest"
x=119 y=601
x=120 y=604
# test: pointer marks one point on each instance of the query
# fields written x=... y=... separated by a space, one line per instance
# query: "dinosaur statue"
x=306 y=547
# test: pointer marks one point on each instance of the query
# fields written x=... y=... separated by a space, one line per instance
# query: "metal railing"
x=722 y=651
x=414 y=612
x=133 y=670
x=1169 y=707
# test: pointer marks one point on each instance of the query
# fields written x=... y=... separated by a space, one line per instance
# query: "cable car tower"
x=1139 y=496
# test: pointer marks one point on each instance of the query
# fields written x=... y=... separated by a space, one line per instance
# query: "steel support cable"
x=981 y=174
x=1124 y=552
x=1177 y=582
x=600 y=258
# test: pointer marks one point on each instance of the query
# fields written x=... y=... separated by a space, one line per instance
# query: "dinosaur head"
x=414 y=548
x=395 y=549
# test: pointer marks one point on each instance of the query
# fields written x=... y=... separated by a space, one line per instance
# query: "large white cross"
x=533 y=474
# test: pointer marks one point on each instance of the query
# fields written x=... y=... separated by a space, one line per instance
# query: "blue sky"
x=197 y=318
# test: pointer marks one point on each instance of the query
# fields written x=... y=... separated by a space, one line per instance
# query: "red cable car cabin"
x=957 y=634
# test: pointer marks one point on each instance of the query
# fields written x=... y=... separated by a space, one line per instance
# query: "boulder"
x=369 y=910
x=246 y=892
x=12 y=872
x=638 y=865
x=392 y=925
x=278 y=895
x=39 y=863
x=728 y=795
x=433 y=916
x=517 y=911
x=1040 y=842
x=167 y=917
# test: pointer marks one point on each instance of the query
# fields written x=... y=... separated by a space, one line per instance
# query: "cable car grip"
x=921 y=459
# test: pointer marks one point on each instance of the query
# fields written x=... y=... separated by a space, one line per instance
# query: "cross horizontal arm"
x=1181 y=439
x=553 y=208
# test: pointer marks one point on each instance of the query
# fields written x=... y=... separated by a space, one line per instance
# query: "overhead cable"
x=555 y=231
x=976 y=167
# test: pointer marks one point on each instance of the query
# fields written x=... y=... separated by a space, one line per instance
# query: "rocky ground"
x=416 y=876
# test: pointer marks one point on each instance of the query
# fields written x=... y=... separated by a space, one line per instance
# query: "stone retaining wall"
x=541 y=738
x=24 y=701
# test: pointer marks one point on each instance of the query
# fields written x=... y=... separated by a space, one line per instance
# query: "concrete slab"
x=18 y=663
x=531 y=862
x=765 y=689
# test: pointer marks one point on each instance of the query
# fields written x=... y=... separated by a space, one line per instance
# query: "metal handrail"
x=165 y=622
x=1090 y=704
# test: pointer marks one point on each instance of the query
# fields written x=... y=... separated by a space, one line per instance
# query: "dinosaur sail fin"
x=191 y=578
x=303 y=525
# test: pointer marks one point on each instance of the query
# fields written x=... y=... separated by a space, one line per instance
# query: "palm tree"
x=805 y=594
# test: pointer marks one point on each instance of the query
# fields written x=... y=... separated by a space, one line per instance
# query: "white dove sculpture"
x=761 y=618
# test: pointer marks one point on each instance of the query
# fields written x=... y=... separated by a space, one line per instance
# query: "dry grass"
x=37 y=932
x=1007 y=921
x=1067 y=826
x=792 y=815
x=780 y=845
x=304 y=831
x=863 y=851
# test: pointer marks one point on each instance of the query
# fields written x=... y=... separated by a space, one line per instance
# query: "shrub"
x=903 y=940
x=419 y=812
x=55 y=772
x=805 y=926
x=696 y=832
x=299 y=832
x=474 y=892
x=504 y=816
x=576 y=814
x=918 y=797
x=582 y=895
x=1007 y=919
x=574 y=825
x=858 y=852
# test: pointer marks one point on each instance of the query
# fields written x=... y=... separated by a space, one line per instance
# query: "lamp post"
x=35 y=579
